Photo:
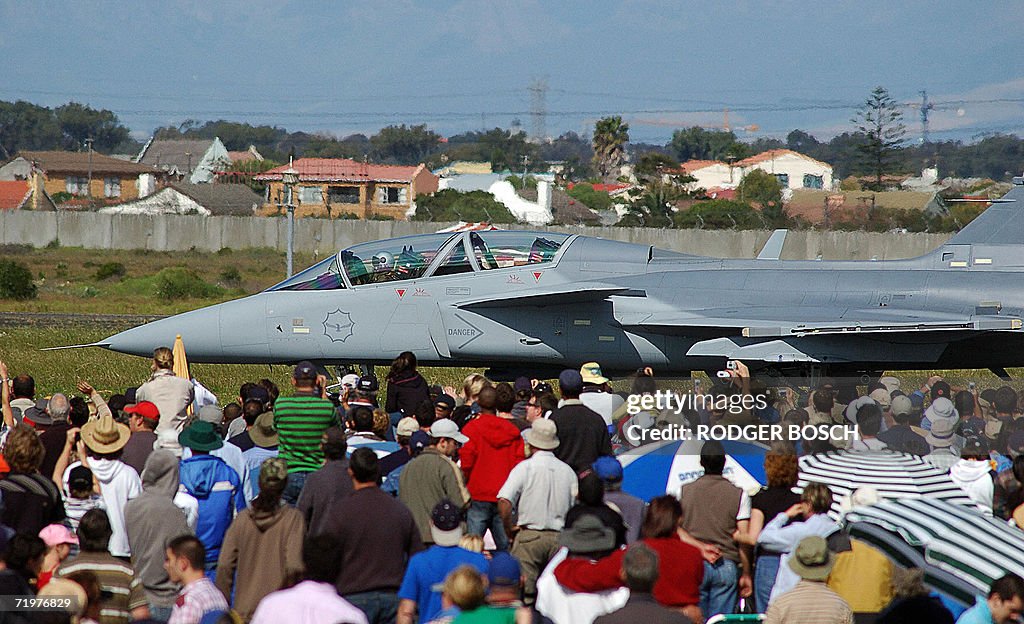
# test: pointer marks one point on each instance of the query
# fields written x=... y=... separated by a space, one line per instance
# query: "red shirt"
x=495 y=447
x=681 y=570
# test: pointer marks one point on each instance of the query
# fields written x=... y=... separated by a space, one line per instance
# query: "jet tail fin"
x=772 y=250
x=1002 y=223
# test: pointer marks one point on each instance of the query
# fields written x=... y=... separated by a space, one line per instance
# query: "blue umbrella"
x=661 y=468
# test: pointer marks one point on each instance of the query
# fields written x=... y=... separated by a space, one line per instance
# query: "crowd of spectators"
x=496 y=502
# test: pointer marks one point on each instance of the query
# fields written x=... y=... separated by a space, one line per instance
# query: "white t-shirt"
x=564 y=606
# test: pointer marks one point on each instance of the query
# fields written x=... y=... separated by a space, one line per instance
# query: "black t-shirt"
x=242 y=441
x=771 y=501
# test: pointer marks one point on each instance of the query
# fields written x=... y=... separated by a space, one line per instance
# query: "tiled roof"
x=12 y=194
x=79 y=163
x=693 y=165
x=167 y=154
x=342 y=170
x=610 y=188
x=772 y=155
x=221 y=199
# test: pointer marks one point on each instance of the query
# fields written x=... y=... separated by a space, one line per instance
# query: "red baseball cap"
x=145 y=409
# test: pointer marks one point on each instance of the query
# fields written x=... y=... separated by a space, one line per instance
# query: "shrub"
x=452 y=205
x=231 y=276
x=175 y=283
x=16 y=281
x=720 y=214
x=108 y=270
x=598 y=200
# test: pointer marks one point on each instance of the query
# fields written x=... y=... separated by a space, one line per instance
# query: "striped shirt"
x=300 y=422
x=116 y=577
x=809 y=603
x=196 y=600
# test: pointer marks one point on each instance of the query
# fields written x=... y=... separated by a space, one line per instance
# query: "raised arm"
x=102 y=409
x=5 y=396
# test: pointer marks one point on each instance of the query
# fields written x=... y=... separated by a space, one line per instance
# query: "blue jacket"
x=219 y=491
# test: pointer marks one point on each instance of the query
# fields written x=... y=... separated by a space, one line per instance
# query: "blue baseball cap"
x=504 y=570
x=570 y=381
x=607 y=468
x=418 y=441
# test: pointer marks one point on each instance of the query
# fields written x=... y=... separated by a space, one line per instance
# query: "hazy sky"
x=347 y=67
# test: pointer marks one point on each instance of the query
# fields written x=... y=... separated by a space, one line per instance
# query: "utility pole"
x=88 y=187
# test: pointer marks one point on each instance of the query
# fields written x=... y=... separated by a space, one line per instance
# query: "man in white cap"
x=432 y=476
x=942 y=441
x=541 y=490
x=940 y=409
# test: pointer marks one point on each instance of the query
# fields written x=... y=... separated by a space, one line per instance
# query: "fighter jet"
x=529 y=301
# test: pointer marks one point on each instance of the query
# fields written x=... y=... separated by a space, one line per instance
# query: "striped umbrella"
x=663 y=467
x=949 y=539
x=892 y=474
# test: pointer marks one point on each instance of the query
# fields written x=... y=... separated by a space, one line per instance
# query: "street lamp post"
x=290 y=177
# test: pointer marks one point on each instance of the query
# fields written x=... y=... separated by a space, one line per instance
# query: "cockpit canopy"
x=427 y=255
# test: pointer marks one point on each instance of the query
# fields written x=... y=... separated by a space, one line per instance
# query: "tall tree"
x=26 y=126
x=79 y=122
x=404 y=145
x=881 y=121
x=698 y=143
x=764 y=189
x=610 y=137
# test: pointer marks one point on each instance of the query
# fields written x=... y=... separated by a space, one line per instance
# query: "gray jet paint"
x=627 y=305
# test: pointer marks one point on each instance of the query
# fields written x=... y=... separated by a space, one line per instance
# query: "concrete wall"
x=175 y=233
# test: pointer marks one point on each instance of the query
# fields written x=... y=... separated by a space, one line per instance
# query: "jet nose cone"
x=199 y=330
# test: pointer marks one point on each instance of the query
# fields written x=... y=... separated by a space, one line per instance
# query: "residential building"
x=707 y=174
x=188 y=160
x=248 y=155
x=80 y=174
x=792 y=169
x=194 y=199
x=335 y=186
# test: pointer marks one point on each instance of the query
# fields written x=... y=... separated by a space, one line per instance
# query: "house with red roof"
x=792 y=169
x=707 y=174
x=335 y=186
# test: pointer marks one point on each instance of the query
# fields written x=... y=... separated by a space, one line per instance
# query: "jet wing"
x=818 y=334
x=787 y=322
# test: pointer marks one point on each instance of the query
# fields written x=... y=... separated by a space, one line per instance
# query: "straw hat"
x=104 y=435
